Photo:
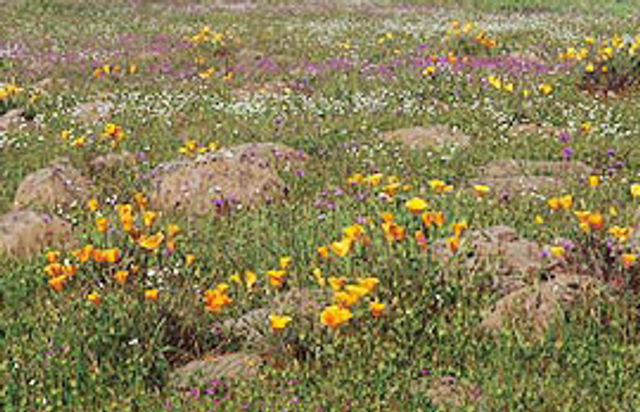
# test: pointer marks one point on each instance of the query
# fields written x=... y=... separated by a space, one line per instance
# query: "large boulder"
x=58 y=185
x=533 y=309
x=26 y=232
x=508 y=177
x=427 y=137
x=244 y=175
x=201 y=372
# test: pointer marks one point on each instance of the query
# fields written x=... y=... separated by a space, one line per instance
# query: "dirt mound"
x=26 y=232
x=201 y=372
x=427 y=137
x=534 y=309
x=58 y=185
x=508 y=177
x=242 y=175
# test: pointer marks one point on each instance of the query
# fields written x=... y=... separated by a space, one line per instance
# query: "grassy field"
x=485 y=262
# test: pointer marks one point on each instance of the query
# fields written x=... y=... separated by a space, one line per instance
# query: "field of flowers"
x=319 y=206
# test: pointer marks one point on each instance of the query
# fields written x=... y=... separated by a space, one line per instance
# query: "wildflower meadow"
x=331 y=205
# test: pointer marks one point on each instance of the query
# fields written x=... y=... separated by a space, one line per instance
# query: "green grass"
x=60 y=352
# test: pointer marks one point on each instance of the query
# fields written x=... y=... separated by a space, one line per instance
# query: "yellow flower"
x=54 y=269
x=416 y=205
x=594 y=181
x=373 y=180
x=337 y=283
x=539 y=220
x=151 y=294
x=459 y=228
x=440 y=186
x=481 y=190
x=345 y=299
x=83 y=254
x=563 y=202
x=317 y=275
x=590 y=68
x=141 y=200
x=353 y=232
x=342 y=247
x=355 y=178
x=79 y=142
x=276 y=277
x=111 y=255
x=279 y=323
x=596 y=221
x=285 y=262
x=235 y=278
x=251 y=278
x=377 y=309
x=57 y=283
x=429 y=71
x=429 y=218
x=369 y=283
x=357 y=290
x=94 y=298
x=622 y=234
x=216 y=299
x=173 y=230
x=335 y=316
x=152 y=242
x=635 y=190
x=53 y=256
x=102 y=224
x=189 y=260
x=149 y=218
x=121 y=276
x=323 y=251
x=557 y=251
x=545 y=89
x=93 y=205
x=629 y=259
x=453 y=243
x=586 y=127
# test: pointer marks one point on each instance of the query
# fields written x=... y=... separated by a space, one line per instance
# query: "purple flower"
x=300 y=173
x=195 y=392
x=545 y=254
x=564 y=137
x=567 y=152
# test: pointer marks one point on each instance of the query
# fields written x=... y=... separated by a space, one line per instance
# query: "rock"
x=499 y=250
x=427 y=137
x=506 y=168
x=253 y=328
x=26 y=232
x=201 y=372
x=111 y=162
x=508 y=187
x=9 y=118
x=239 y=175
x=508 y=177
x=534 y=309
x=524 y=129
x=270 y=155
x=58 y=185
x=93 y=112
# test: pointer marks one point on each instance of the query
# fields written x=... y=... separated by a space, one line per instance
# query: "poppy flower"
x=57 y=283
x=151 y=294
x=121 y=276
x=152 y=242
x=94 y=298
x=628 y=259
x=376 y=309
x=276 y=277
x=416 y=205
x=279 y=323
x=335 y=316
x=93 y=204
x=102 y=224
